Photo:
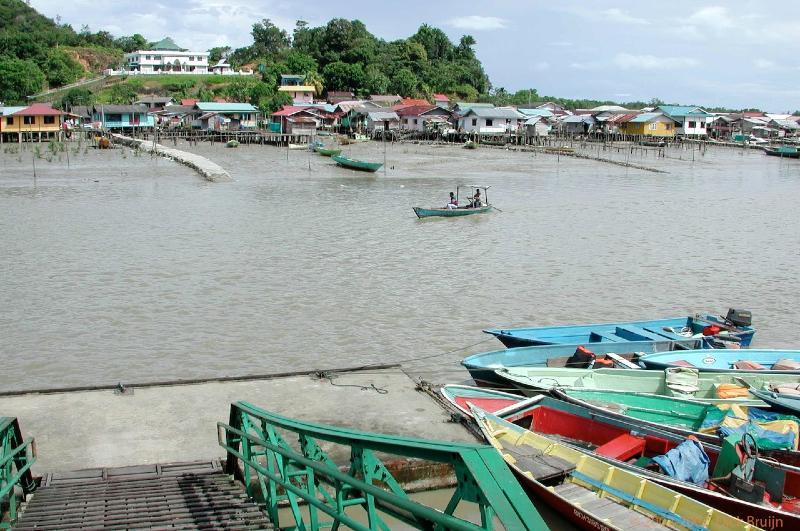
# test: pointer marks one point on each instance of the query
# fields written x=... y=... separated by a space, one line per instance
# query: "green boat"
x=681 y=382
x=477 y=204
x=783 y=151
x=354 y=164
x=328 y=152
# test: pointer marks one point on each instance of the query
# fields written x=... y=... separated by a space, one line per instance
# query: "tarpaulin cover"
x=686 y=462
x=773 y=431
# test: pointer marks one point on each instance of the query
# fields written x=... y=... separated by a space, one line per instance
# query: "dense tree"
x=344 y=76
x=269 y=39
x=376 y=82
x=405 y=83
x=132 y=43
x=218 y=53
x=61 y=69
x=18 y=79
x=76 y=96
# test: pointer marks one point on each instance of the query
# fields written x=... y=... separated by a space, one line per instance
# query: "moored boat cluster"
x=673 y=422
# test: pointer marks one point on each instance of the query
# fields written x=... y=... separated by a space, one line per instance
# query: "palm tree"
x=314 y=79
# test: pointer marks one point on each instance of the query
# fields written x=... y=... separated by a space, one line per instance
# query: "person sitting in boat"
x=453 y=202
x=476 y=200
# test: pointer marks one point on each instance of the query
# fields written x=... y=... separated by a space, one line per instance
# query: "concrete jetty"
x=209 y=170
x=174 y=423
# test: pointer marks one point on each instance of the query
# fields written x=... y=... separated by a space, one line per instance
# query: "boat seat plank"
x=623 y=447
x=618 y=514
x=637 y=333
x=539 y=464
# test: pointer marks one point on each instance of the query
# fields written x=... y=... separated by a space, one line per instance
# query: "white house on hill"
x=166 y=57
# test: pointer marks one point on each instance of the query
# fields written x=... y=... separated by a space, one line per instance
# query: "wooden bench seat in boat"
x=637 y=333
x=623 y=447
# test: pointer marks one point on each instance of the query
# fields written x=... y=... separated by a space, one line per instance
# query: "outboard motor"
x=739 y=317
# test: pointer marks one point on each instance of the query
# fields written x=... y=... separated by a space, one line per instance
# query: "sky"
x=736 y=53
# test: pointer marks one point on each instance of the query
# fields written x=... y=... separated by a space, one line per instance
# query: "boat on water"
x=681 y=382
x=353 y=164
x=783 y=151
x=777 y=434
x=461 y=396
x=232 y=143
x=297 y=146
x=328 y=152
x=638 y=449
x=479 y=206
x=713 y=330
x=726 y=360
x=592 y=493
x=482 y=366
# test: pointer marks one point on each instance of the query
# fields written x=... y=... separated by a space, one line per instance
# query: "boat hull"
x=449 y=212
x=718 y=361
x=359 y=165
x=328 y=152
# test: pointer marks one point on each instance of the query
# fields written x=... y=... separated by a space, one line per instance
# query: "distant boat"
x=590 y=492
x=458 y=211
x=653 y=143
x=726 y=360
x=298 y=146
x=482 y=366
x=354 y=164
x=734 y=327
x=681 y=382
x=328 y=152
x=783 y=151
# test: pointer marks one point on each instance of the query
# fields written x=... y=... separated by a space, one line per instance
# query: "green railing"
x=16 y=459
x=272 y=470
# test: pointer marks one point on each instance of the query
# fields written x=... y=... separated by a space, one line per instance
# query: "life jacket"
x=581 y=359
x=711 y=330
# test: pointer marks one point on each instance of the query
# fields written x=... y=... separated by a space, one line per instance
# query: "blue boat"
x=482 y=366
x=735 y=327
x=725 y=360
x=781 y=402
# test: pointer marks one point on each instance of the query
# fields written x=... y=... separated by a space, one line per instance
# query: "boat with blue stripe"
x=738 y=360
x=714 y=331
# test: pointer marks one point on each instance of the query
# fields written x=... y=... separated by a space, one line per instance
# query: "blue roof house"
x=690 y=121
x=122 y=116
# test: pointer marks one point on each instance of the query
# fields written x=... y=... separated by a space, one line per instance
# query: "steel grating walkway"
x=174 y=496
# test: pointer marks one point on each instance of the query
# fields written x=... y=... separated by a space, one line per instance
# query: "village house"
x=35 y=122
x=649 y=124
x=296 y=120
x=441 y=100
x=424 y=118
x=784 y=126
x=382 y=120
x=537 y=126
x=166 y=57
x=226 y=116
x=336 y=96
x=577 y=124
x=122 y=117
x=491 y=120
x=176 y=116
x=5 y=123
x=691 y=121
x=154 y=102
x=222 y=68
x=295 y=87
x=385 y=100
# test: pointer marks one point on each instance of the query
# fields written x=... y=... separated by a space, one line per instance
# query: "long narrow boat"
x=783 y=151
x=672 y=329
x=726 y=360
x=354 y=164
x=681 y=382
x=328 y=152
x=461 y=396
x=592 y=493
x=784 y=402
x=778 y=434
x=633 y=447
x=450 y=212
x=482 y=366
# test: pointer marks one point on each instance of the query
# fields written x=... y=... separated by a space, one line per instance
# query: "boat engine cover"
x=739 y=317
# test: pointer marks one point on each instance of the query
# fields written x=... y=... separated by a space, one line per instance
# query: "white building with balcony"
x=166 y=57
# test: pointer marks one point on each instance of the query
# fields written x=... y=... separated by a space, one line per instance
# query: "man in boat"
x=453 y=202
x=476 y=200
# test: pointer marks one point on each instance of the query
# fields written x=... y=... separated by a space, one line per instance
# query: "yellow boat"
x=591 y=493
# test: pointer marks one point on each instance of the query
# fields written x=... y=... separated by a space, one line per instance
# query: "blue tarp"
x=687 y=462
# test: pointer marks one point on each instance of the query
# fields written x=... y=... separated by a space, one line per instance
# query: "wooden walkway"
x=175 y=496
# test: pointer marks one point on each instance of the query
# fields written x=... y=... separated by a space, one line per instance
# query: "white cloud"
x=628 y=61
x=541 y=66
x=477 y=23
x=712 y=17
x=617 y=15
x=764 y=64
x=586 y=66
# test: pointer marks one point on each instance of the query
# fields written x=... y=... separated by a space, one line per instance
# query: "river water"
x=130 y=268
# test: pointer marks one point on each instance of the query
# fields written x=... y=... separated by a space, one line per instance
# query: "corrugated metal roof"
x=38 y=109
x=607 y=108
x=786 y=124
x=647 y=116
x=11 y=110
x=415 y=110
x=382 y=116
x=207 y=106
x=120 y=109
x=579 y=118
x=547 y=113
x=682 y=110
x=495 y=112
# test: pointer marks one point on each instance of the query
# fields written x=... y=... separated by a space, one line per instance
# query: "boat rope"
x=445 y=353
x=325 y=375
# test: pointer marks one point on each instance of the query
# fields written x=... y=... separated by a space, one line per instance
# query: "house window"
x=147 y=57
x=474 y=122
x=415 y=121
x=702 y=125
x=113 y=117
x=668 y=127
x=653 y=126
x=28 y=120
x=489 y=122
x=10 y=120
x=692 y=125
x=49 y=120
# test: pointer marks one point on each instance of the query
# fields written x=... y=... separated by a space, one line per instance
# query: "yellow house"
x=649 y=124
x=36 y=121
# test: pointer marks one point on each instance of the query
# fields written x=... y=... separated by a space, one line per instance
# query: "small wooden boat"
x=328 y=152
x=634 y=447
x=783 y=151
x=481 y=207
x=298 y=146
x=482 y=366
x=734 y=327
x=689 y=417
x=461 y=396
x=726 y=360
x=353 y=164
x=232 y=143
x=592 y=493
x=681 y=382
x=653 y=143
